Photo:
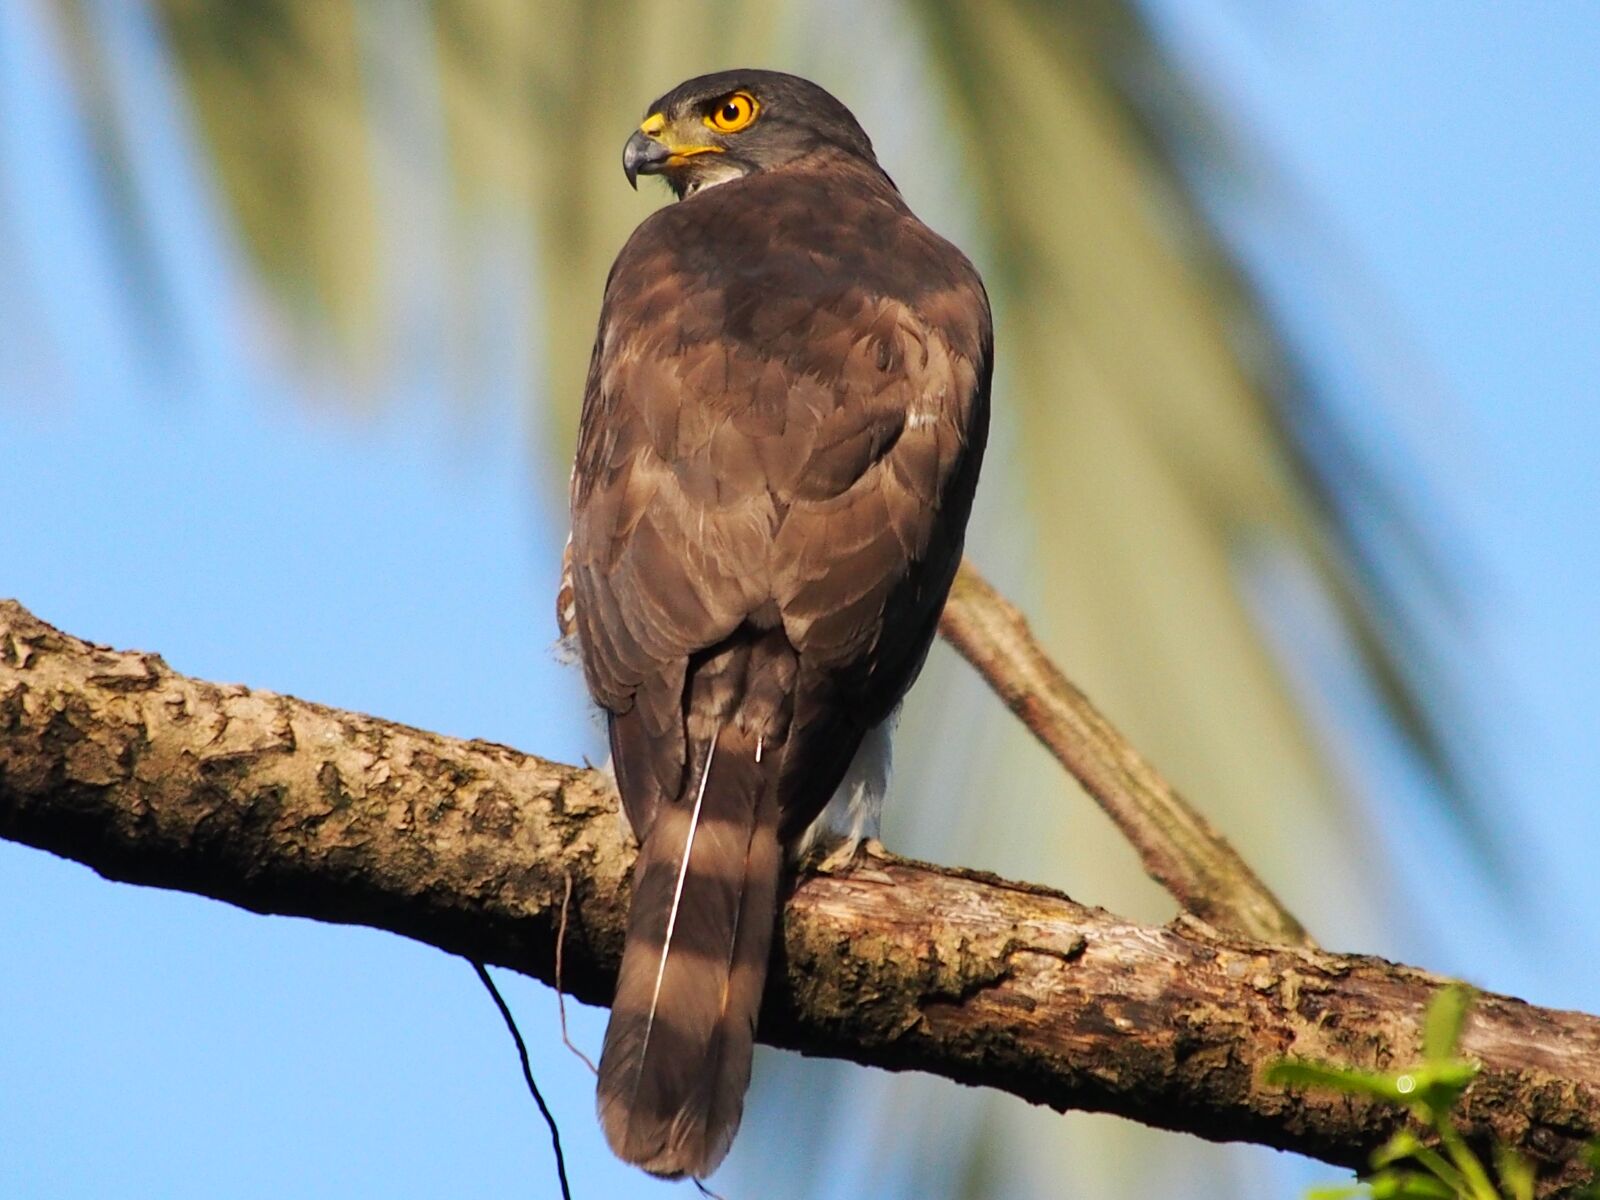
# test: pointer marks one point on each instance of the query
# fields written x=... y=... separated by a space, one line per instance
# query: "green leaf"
x=1516 y=1173
x=1410 y=1185
x=1437 y=1085
x=1403 y=1144
x=1455 y=1181
x=1294 y=1072
x=1474 y=1183
x=1441 y=1029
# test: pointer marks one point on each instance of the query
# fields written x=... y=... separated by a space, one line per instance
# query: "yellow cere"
x=655 y=126
x=733 y=112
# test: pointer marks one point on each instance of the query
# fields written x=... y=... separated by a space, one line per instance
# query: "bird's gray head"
x=714 y=128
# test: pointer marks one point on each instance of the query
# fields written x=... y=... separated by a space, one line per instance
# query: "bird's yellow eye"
x=733 y=112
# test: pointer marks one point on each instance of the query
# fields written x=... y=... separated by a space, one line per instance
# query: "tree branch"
x=1179 y=848
x=282 y=806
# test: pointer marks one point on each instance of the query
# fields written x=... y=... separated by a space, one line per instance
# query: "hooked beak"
x=643 y=155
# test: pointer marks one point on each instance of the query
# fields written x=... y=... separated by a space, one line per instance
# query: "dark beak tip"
x=641 y=156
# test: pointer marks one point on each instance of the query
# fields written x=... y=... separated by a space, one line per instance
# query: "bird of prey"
x=782 y=424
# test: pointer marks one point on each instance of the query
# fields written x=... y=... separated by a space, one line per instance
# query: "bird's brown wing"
x=671 y=532
x=872 y=539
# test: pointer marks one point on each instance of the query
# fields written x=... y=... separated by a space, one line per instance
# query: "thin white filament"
x=677 y=893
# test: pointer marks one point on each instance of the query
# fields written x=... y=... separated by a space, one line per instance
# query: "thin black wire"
x=527 y=1074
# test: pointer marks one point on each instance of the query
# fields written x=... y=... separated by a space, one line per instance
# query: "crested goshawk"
x=781 y=430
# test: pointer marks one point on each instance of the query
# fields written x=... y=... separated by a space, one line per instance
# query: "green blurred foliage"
x=1408 y=1166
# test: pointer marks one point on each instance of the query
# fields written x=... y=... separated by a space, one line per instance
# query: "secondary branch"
x=1179 y=848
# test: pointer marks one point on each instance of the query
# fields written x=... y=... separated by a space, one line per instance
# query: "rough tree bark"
x=282 y=806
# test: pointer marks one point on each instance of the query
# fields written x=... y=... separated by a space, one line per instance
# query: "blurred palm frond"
x=277 y=89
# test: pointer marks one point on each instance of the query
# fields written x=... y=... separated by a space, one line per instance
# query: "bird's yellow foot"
x=853 y=858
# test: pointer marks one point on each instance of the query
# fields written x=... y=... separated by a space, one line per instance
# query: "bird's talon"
x=854 y=858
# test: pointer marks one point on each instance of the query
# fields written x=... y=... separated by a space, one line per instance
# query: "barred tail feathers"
x=676 y=1060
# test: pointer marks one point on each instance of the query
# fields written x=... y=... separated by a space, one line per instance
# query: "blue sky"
x=1439 y=166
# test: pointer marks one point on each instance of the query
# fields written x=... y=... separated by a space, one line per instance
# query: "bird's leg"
x=843 y=840
x=846 y=849
x=851 y=856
